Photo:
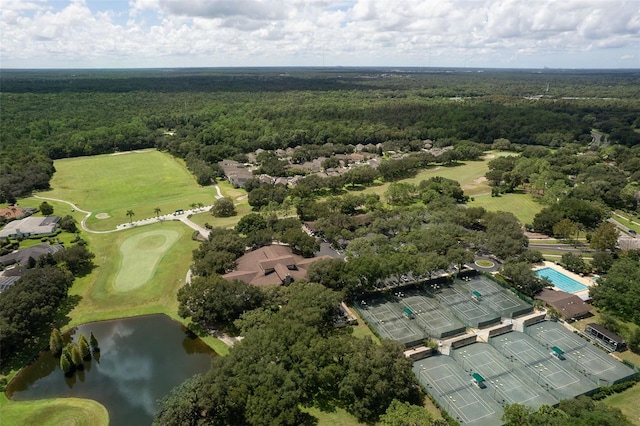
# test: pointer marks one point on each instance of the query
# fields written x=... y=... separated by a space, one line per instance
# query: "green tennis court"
x=580 y=356
x=493 y=297
x=454 y=390
x=471 y=312
x=504 y=382
x=536 y=361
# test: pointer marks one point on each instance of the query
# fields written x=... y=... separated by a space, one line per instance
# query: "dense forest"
x=207 y=115
x=575 y=139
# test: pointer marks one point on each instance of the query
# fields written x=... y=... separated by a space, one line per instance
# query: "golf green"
x=140 y=255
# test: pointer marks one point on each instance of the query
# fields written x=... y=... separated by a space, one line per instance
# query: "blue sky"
x=213 y=33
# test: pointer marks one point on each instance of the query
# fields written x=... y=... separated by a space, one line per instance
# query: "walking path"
x=183 y=217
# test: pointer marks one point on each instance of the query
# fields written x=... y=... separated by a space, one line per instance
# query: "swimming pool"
x=560 y=280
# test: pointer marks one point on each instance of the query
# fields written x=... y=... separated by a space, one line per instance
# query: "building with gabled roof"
x=271 y=265
x=568 y=305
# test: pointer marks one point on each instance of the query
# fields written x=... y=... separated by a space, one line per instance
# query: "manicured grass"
x=222 y=222
x=523 y=206
x=53 y=412
x=338 y=417
x=627 y=402
x=469 y=174
x=361 y=329
x=102 y=300
x=137 y=181
x=140 y=255
x=485 y=263
x=230 y=191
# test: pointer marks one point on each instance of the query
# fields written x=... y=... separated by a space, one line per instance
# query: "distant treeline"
x=207 y=115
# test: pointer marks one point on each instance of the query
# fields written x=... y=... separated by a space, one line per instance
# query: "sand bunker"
x=102 y=216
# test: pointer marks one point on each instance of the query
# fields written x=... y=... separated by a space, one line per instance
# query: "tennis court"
x=580 y=356
x=469 y=311
x=389 y=320
x=497 y=299
x=506 y=384
x=429 y=314
x=536 y=361
x=452 y=387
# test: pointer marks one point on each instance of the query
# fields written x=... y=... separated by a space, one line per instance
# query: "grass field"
x=102 y=291
x=222 y=222
x=627 y=402
x=53 y=412
x=137 y=181
x=469 y=174
x=523 y=206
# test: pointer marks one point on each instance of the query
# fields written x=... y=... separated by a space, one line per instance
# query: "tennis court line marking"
x=511 y=378
x=456 y=394
x=553 y=368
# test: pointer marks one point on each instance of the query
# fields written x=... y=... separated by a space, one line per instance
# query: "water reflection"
x=140 y=360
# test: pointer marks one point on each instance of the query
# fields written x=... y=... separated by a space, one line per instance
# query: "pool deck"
x=587 y=281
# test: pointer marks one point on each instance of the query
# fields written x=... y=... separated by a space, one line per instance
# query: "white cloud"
x=297 y=32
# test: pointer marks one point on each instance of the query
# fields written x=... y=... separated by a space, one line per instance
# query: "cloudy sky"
x=222 y=33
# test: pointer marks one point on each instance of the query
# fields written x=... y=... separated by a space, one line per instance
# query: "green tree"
x=65 y=365
x=605 y=237
x=565 y=229
x=55 y=342
x=130 y=214
x=213 y=299
x=76 y=357
x=575 y=263
x=157 y=211
x=619 y=291
x=250 y=223
x=46 y=208
x=93 y=342
x=404 y=414
x=300 y=242
x=223 y=207
x=69 y=224
x=522 y=277
x=516 y=415
x=83 y=347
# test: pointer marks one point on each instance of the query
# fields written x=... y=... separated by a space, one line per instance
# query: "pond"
x=140 y=360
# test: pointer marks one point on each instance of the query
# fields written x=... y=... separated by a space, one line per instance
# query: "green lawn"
x=113 y=184
x=627 y=402
x=337 y=417
x=53 y=412
x=523 y=206
x=157 y=294
x=201 y=219
x=469 y=174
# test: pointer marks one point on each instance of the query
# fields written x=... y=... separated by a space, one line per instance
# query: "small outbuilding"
x=607 y=339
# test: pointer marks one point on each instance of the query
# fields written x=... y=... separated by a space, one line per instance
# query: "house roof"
x=33 y=225
x=271 y=265
x=568 y=305
x=607 y=333
x=22 y=256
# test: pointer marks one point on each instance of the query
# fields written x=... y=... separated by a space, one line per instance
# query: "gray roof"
x=33 y=225
x=22 y=256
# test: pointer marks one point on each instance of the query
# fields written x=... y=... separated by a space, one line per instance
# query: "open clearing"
x=53 y=412
x=140 y=256
x=137 y=181
x=523 y=206
x=469 y=174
